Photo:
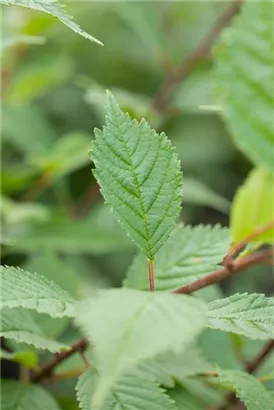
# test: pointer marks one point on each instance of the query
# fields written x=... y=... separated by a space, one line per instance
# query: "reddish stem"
x=237 y=266
x=254 y=364
x=237 y=247
x=151 y=276
x=80 y=346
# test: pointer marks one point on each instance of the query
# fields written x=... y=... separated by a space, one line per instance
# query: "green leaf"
x=140 y=178
x=127 y=326
x=27 y=359
x=19 y=325
x=185 y=400
x=11 y=41
x=55 y=9
x=54 y=268
x=253 y=206
x=135 y=103
x=248 y=389
x=99 y=233
x=169 y=368
x=249 y=315
x=34 y=78
x=244 y=75
x=14 y=213
x=27 y=129
x=189 y=254
x=23 y=396
x=198 y=193
x=129 y=392
x=142 y=20
x=214 y=343
x=68 y=154
x=32 y=291
x=204 y=391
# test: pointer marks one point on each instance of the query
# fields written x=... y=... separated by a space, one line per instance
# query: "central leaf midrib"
x=126 y=334
x=137 y=186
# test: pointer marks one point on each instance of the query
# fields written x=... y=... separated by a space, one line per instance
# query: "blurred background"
x=53 y=94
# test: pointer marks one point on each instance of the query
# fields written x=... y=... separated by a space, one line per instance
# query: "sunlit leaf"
x=252 y=207
x=27 y=359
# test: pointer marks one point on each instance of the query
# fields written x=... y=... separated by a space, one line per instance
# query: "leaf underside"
x=140 y=179
x=246 y=314
x=32 y=291
x=19 y=325
x=128 y=326
x=129 y=392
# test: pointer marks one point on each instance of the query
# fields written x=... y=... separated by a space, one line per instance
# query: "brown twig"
x=201 y=51
x=253 y=365
x=46 y=371
x=70 y=374
x=239 y=246
x=237 y=266
x=36 y=190
x=90 y=196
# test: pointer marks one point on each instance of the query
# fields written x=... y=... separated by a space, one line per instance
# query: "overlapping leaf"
x=19 y=325
x=127 y=326
x=249 y=315
x=190 y=253
x=54 y=8
x=32 y=291
x=129 y=392
x=169 y=368
x=140 y=178
x=245 y=81
x=249 y=390
x=253 y=206
x=23 y=396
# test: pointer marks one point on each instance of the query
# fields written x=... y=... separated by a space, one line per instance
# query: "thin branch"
x=237 y=266
x=90 y=196
x=37 y=189
x=239 y=246
x=151 y=276
x=70 y=374
x=253 y=365
x=46 y=371
x=201 y=51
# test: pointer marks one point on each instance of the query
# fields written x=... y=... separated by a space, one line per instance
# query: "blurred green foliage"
x=53 y=95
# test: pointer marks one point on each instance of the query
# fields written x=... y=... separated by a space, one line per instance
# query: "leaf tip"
x=111 y=103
